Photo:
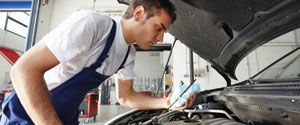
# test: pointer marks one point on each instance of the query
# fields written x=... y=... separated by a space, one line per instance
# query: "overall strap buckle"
x=106 y=48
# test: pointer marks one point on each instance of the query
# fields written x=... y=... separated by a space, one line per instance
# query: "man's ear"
x=139 y=12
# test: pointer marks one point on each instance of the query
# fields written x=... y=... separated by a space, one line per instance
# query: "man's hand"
x=189 y=101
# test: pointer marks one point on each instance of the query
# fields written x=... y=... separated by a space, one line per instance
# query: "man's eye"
x=159 y=29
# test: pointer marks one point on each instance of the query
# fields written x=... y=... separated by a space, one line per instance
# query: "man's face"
x=152 y=30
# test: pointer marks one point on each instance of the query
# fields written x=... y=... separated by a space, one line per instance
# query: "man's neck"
x=127 y=31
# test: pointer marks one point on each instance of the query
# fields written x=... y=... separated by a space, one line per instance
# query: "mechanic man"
x=52 y=78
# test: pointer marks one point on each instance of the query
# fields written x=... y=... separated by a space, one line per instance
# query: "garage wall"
x=56 y=11
x=148 y=63
x=4 y=72
x=45 y=17
x=12 y=41
x=263 y=56
x=63 y=8
x=249 y=66
x=209 y=77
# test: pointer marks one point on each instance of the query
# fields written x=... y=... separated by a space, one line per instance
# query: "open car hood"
x=223 y=32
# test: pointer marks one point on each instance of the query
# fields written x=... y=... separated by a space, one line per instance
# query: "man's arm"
x=130 y=98
x=28 y=80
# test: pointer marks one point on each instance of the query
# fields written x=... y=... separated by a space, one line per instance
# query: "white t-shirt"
x=80 y=40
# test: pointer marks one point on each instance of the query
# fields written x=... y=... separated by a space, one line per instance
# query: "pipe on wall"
x=191 y=67
x=34 y=15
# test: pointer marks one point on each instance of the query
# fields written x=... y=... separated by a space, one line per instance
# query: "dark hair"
x=150 y=7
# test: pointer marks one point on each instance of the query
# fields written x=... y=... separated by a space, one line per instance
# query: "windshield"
x=286 y=68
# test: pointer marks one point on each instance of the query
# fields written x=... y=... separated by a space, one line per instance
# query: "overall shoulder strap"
x=107 y=47
x=122 y=65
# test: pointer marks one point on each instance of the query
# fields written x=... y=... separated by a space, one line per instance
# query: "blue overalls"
x=67 y=97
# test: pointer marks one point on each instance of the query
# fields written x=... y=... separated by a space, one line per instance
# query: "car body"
x=231 y=29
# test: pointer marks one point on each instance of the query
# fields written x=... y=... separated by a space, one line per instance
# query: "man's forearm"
x=143 y=102
x=130 y=98
x=34 y=96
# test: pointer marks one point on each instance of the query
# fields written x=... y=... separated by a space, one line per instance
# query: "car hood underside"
x=224 y=31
